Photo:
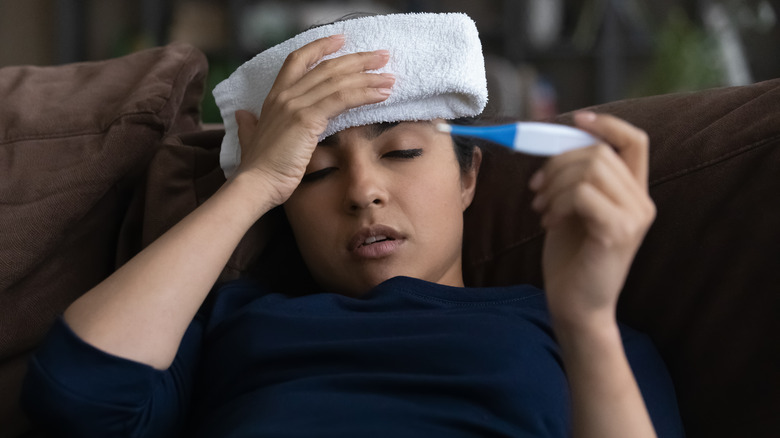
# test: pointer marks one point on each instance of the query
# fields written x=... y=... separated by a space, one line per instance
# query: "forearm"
x=596 y=209
x=142 y=310
x=606 y=400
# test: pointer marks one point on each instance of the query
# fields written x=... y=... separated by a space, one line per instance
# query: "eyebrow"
x=378 y=129
x=374 y=130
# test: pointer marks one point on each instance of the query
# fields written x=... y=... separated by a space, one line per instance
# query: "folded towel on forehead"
x=436 y=59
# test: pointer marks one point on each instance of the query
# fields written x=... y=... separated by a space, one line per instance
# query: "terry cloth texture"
x=436 y=59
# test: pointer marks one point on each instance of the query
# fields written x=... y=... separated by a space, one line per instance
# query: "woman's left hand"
x=596 y=210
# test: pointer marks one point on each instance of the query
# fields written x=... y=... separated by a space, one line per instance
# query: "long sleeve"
x=74 y=389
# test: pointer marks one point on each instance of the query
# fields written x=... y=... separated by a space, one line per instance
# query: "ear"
x=468 y=181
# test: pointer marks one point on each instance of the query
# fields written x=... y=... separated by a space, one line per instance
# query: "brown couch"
x=98 y=159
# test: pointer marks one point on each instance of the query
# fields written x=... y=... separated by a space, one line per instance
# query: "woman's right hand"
x=277 y=146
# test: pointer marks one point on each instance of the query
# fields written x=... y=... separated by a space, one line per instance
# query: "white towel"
x=436 y=59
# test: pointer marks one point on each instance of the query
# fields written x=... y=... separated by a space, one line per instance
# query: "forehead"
x=374 y=130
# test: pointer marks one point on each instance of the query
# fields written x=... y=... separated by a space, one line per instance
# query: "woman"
x=377 y=213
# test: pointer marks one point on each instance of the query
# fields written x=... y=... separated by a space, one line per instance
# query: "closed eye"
x=404 y=153
x=317 y=174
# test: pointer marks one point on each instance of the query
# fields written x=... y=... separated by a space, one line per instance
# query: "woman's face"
x=380 y=201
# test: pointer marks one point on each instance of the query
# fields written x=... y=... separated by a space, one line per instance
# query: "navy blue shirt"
x=411 y=358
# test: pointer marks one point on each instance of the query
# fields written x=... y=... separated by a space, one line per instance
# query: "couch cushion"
x=73 y=141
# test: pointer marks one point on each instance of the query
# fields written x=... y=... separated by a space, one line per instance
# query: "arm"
x=142 y=311
x=596 y=210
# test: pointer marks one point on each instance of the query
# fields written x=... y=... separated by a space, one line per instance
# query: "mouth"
x=374 y=239
x=375 y=242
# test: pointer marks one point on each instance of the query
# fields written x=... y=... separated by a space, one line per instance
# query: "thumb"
x=246 y=125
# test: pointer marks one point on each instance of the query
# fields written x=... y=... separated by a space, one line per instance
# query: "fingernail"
x=387 y=75
x=383 y=53
x=384 y=91
x=586 y=116
x=339 y=37
x=536 y=180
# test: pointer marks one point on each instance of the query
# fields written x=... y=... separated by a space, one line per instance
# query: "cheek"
x=306 y=204
x=445 y=185
x=306 y=221
x=439 y=203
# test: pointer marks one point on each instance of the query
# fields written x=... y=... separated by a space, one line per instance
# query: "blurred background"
x=550 y=56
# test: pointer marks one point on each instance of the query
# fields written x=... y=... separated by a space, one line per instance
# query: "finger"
x=344 y=99
x=328 y=72
x=631 y=143
x=300 y=61
x=556 y=164
x=354 y=81
x=547 y=173
x=246 y=124
x=600 y=167
x=591 y=206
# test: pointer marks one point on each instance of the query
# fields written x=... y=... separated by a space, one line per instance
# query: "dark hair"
x=350 y=16
x=464 y=146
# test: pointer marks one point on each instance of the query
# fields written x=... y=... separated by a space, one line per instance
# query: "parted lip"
x=372 y=231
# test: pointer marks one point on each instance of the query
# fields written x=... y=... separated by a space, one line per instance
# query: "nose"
x=365 y=188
